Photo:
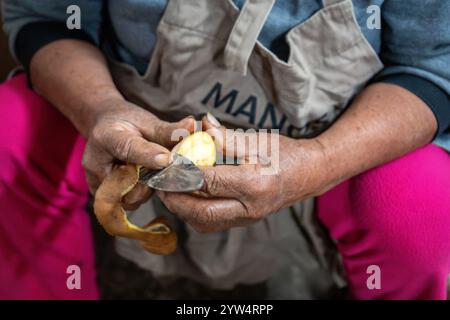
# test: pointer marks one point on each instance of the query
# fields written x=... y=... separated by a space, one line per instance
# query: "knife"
x=180 y=176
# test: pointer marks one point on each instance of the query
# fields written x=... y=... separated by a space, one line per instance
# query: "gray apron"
x=207 y=59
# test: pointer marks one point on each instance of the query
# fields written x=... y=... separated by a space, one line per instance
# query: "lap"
x=410 y=192
x=44 y=227
x=395 y=216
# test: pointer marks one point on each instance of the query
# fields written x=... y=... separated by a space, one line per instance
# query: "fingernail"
x=191 y=117
x=163 y=159
x=212 y=120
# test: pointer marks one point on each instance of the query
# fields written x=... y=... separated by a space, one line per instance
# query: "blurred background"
x=6 y=62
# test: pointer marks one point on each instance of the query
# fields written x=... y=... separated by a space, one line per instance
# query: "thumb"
x=233 y=143
x=132 y=148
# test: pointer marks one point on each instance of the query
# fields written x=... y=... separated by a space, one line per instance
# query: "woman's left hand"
x=268 y=178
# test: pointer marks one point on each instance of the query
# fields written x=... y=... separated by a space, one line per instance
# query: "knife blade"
x=180 y=176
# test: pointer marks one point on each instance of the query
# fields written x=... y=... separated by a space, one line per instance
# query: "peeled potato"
x=199 y=147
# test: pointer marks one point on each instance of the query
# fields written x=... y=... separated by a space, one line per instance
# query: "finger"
x=96 y=164
x=232 y=143
x=229 y=181
x=168 y=133
x=209 y=121
x=206 y=215
x=93 y=182
x=137 y=196
x=131 y=148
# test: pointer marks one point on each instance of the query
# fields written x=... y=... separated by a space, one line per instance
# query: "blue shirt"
x=413 y=41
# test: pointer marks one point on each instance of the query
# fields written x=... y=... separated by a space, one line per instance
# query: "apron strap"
x=327 y=3
x=245 y=33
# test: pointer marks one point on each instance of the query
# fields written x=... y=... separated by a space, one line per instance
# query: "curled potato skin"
x=156 y=237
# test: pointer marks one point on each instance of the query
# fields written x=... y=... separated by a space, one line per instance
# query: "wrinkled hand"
x=127 y=133
x=238 y=195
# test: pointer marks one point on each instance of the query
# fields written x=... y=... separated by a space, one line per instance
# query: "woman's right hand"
x=73 y=75
x=126 y=133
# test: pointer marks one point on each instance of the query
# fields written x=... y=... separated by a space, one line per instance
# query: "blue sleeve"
x=31 y=24
x=416 y=52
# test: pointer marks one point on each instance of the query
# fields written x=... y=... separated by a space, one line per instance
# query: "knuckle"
x=97 y=134
x=123 y=149
x=159 y=131
x=212 y=184
x=208 y=215
x=203 y=219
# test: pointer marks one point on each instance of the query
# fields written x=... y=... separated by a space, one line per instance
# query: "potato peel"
x=157 y=236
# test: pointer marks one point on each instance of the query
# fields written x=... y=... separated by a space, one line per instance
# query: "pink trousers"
x=394 y=222
x=45 y=236
x=395 y=218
